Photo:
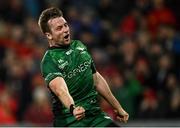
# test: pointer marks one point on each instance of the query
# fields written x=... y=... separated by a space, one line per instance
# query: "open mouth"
x=66 y=37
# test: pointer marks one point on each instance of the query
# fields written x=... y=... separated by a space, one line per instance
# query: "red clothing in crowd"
x=160 y=16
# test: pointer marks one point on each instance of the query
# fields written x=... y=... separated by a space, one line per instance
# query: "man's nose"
x=66 y=29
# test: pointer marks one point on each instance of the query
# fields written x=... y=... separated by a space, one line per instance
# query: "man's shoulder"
x=77 y=43
x=45 y=57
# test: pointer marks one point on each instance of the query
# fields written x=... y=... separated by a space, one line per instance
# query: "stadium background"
x=135 y=45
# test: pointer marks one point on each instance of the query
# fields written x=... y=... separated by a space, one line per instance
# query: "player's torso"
x=75 y=65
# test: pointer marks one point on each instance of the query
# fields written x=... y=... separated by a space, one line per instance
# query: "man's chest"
x=73 y=61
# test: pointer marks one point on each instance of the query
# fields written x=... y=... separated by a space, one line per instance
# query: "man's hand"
x=79 y=112
x=122 y=115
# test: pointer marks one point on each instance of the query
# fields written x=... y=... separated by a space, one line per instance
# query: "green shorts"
x=99 y=119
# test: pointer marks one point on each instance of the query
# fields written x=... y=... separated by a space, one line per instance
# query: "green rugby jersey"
x=76 y=66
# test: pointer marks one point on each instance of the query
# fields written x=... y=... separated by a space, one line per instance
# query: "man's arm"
x=104 y=90
x=59 y=87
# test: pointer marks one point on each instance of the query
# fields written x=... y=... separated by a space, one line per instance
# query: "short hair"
x=46 y=15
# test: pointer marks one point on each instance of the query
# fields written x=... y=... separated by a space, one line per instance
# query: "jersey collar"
x=59 y=47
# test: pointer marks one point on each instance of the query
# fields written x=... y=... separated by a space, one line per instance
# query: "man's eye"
x=59 y=28
x=65 y=24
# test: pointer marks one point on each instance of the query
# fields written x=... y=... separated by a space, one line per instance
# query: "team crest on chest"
x=80 y=48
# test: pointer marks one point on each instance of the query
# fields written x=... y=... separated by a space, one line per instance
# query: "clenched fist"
x=79 y=112
x=122 y=115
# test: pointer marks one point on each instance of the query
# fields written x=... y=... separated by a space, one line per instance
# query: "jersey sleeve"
x=50 y=70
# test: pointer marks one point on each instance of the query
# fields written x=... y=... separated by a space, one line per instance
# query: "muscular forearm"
x=65 y=98
x=104 y=90
x=58 y=86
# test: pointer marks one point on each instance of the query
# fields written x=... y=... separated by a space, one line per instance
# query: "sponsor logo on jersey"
x=80 y=68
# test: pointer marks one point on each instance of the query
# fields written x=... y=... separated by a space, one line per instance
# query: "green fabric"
x=127 y=95
x=76 y=66
x=98 y=119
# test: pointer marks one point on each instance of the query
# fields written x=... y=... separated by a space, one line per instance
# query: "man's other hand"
x=122 y=115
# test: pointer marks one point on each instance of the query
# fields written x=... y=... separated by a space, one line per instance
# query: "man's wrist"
x=71 y=108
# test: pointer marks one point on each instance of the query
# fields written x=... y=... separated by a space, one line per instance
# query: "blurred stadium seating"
x=135 y=45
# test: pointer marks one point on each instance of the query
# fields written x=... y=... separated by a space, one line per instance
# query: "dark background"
x=135 y=46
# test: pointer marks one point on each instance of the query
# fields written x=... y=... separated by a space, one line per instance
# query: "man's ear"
x=48 y=35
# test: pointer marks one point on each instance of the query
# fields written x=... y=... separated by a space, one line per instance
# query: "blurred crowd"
x=135 y=46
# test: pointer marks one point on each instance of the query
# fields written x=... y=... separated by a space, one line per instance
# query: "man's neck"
x=59 y=46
